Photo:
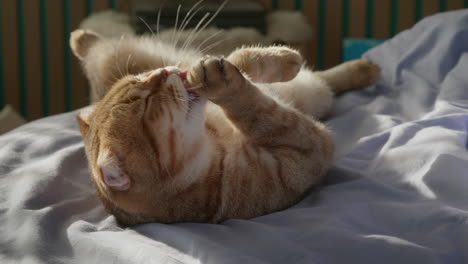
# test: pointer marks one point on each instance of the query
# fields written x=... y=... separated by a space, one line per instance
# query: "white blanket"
x=398 y=192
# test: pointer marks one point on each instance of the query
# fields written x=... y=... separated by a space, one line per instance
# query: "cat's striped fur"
x=250 y=144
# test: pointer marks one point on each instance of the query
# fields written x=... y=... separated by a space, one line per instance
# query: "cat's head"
x=149 y=124
x=143 y=131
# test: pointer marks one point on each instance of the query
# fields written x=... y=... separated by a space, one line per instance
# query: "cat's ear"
x=112 y=175
x=84 y=119
x=81 y=41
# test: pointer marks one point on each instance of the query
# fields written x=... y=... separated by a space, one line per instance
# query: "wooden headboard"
x=39 y=76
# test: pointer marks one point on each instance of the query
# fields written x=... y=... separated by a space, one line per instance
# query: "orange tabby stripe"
x=268 y=179
x=172 y=149
x=219 y=176
x=279 y=173
x=153 y=142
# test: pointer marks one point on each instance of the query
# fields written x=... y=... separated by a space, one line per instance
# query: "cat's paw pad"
x=268 y=65
x=216 y=76
x=364 y=72
x=289 y=62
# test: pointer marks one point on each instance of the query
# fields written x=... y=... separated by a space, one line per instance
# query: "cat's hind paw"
x=351 y=75
x=364 y=73
x=268 y=65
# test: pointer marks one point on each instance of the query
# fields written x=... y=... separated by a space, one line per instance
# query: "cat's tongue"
x=183 y=76
x=192 y=95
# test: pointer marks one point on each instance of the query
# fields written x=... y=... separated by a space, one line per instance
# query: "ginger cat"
x=180 y=137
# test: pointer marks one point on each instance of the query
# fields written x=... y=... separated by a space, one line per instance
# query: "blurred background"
x=39 y=76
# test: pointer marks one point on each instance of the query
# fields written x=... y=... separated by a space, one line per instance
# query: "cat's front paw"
x=215 y=77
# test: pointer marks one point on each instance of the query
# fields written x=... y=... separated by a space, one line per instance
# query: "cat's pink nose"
x=175 y=70
x=183 y=75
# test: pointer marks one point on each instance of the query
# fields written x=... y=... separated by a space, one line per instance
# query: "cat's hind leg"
x=312 y=92
x=351 y=75
x=308 y=93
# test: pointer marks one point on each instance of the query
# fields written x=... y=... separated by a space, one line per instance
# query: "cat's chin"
x=196 y=103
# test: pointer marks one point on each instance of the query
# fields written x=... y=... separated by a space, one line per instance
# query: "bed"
x=397 y=193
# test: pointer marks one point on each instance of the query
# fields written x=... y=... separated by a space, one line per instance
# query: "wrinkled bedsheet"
x=398 y=192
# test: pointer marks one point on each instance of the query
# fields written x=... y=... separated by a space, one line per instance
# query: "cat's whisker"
x=214 y=44
x=120 y=40
x=215 y=14
x=182 y=25
x=128 y=61
x=194 y=33
x=175 y=25
x=181 y=30
x=159 y=16
x=114 y=77
x=197 y=30
x=192 y=36
x=209 y=38
x=114 y=74
x=147 y=25
x=116 y=48
x=164 y=59
x=188 y=14
x=188 y=21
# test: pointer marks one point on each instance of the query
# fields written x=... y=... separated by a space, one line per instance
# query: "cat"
x=178 y=136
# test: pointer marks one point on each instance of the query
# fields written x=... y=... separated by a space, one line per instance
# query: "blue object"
x=354 y=48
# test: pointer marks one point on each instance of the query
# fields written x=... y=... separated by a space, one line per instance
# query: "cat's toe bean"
x=216 y=76
x=268 y=65
x=214 y=69
x=208 y=71
x=223 y=74
x=290 y=62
